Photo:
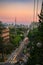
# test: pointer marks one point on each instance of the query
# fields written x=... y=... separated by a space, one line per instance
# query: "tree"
x=33 y=36
x=36 y=40
x=40 y=28
x=15 y=41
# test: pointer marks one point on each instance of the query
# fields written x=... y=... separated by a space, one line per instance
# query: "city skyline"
x=21 y=9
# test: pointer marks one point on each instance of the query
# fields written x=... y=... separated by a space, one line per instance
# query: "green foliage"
x=16 y=40
x=36 y=54
x=12 y=30
x=40 y=28
x=33 y=34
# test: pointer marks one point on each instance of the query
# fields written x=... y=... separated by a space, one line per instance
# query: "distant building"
x=4 y=34
x=11 y=25
x=21 y=26
x=33 y=25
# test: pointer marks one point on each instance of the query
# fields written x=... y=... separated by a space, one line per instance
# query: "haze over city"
x=21 y=9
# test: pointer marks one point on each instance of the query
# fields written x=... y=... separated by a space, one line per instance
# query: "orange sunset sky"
x=23 y=11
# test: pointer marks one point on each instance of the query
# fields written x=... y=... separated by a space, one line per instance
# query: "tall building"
x=4 y=34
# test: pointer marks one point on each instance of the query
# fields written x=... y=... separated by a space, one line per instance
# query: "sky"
x=22 y=10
